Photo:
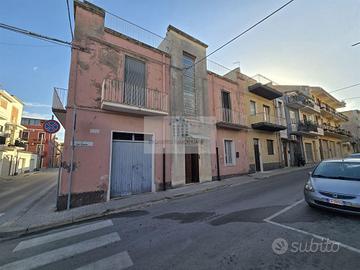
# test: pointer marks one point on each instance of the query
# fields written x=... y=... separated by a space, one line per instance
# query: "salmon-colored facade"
x=96 y=111
x=231 y=126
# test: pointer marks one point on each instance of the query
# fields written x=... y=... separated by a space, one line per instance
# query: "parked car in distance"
x=335 y=185
x=355 y=155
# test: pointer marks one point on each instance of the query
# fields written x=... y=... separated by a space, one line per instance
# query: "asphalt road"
x=19 y=193
x=231 y=228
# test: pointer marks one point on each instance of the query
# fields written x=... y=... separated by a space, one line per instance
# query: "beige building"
x=353 y=126
x=314 y=125
x=335 y=143
x=13 y=157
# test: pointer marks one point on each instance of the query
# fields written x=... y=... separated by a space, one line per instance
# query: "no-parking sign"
x=51 y=126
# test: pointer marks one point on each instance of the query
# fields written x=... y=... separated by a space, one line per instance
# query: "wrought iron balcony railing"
x=120 y=96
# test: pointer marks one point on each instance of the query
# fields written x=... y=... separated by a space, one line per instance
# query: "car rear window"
x=342 y=170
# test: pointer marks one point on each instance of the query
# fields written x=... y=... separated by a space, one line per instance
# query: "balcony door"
x=226 y=106
x=266 y=113
x=134 y=82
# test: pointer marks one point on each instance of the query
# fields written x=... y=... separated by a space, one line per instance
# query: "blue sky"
x=309 y=42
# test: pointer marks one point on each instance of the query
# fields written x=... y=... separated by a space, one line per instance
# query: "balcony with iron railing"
x=266 y=122
x=306 y=127
x=123 y=97
x=303 y=102
x=336 y=132
x=231 y=119
x=329 y=112
x=59 y=104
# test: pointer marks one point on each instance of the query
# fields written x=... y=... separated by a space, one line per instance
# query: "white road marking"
x=314 y=235
x=61 y=253
x=118 y=261
x=62 y=235
x=269 y=220
x=283 y=210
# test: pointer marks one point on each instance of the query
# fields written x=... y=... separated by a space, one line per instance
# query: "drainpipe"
x=73 y=134
x=217 y=164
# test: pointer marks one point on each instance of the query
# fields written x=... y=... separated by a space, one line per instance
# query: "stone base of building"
x=214 y=178
x=160 y=186
x=80 y=199
x=267 y=166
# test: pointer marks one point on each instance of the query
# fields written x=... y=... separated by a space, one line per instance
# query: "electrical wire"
x=41 y=37
x=344 y=88
x=242 y=33
x=69 y=17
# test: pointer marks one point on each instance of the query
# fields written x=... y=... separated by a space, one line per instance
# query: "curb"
x=281 y=173
x=8 y=235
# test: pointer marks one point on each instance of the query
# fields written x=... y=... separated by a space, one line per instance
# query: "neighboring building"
x=265 y=122
x=38 y=141
x=14 y=158
x=335 y=142
x=302 y=116
x=353 y=126
x=314 y=124
x=191 y=160
x=227 y=105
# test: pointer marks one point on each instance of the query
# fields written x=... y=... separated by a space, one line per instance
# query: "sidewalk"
x=267 y=174
x=43 y=216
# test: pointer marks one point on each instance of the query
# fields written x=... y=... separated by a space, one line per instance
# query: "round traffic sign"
x=51 y=126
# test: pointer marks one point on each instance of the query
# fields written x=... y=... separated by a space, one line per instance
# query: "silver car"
x=335 y=184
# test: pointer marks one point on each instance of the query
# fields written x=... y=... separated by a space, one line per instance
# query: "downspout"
x=70 y=177
x=163 y=125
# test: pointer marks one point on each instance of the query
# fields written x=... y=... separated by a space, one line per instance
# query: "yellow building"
x=13 y=157
x=265 y=120
x=314 y=124
x=335 y=143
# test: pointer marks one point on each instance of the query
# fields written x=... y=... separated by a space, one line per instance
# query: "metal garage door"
x=131 y=167
x=309 y=153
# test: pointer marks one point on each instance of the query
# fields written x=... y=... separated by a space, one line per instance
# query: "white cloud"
x=35 y=68
x=35 y=104
x=36 y=115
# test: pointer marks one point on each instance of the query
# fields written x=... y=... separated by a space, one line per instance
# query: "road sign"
x=51 y=126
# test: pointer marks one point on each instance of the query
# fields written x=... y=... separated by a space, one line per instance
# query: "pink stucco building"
x=226 y=101
x=141 y=119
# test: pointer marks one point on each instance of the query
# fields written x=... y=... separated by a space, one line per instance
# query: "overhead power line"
x=358 y=43
x=344 y=88
x=153 y=33
x=242 y=33
x=41 y=37
x=69 y=17
x=351 y=98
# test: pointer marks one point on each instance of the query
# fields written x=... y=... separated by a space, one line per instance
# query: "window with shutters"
x=3 y=103
x=270 y=147
x=134 y=82
x=226 y=106
x=189 y=85
x=229 y=152
x=252 y=107
x=14 y=115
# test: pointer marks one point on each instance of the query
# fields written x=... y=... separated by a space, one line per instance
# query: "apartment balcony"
x=230 y=119
x=306 y=128
x=267 y=122
x=305 y=103
x=59 y=104
x=329 y=112
x=121 y=97
x=336 y=132
x=264 y=91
